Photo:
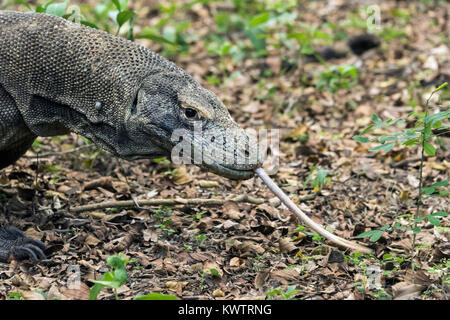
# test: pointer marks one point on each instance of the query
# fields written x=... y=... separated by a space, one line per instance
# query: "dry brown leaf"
x=208 y=183
x=181 y=176
x=287 y=245
x=286 y=276
x=120 y=244
x=91 y=240
x=231 y=210
x=406 y=291
x=52 y=194
x=77 y=291
x=105 y=182
x=252 y=107
x=218 y=293
x=228 y=224
x=176 y=285
x=261 y=278
x=236 y=262
x=33 y=233
x=251 y=247
x=404 y=244
x=32 y=294
x=96 y=215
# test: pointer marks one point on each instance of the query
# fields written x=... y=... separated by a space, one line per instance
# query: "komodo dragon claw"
x=13 y=243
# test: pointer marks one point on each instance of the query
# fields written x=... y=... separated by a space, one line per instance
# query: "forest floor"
x=244 y=250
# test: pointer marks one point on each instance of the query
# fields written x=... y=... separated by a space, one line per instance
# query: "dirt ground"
x=245 y=250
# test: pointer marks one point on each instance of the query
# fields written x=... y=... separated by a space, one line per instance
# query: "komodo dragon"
x=58 y=77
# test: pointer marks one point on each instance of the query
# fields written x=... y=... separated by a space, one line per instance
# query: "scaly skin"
x=58 y=77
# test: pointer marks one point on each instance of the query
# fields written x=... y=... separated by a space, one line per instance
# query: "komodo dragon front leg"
x=15 y=138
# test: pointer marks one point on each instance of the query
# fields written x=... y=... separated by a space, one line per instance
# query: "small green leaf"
x=117 y=4
x=376 y=235
x=416 y=230
x=411 y=142
x=361 y=139
x=123 y=17
x=89 y=24
x=398 y=225
x=151 y=36
x=385 y=147
x=259 y=19
x=23 y=3
x=57 y=9
x=97 y=287
x=419 y=219
x=41 y=8
x=366 y=129
x=215 y=273
x=442 y=183
x=155 y=296
x=428 y=190
x=440 y=214
x=375 y=118
x=429 y=149
x=434 y=221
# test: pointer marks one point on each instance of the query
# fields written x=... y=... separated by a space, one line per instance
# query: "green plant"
x=112 y=279
x=306 y=37
x=442 y=270
x=163 y=220
x=200 y=238
x=155 y=296
x=122 y=15
x=317 y=178
x=420 y=135
x=278 y=294
x=214 y=273
x=15 y=296
x=338 y=77
x=196 y=215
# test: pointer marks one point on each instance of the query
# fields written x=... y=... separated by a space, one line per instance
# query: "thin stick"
x=49 y=154
x=165 y=202
x=306 y=220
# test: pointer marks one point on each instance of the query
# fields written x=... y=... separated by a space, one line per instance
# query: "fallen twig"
x=404 y=162
x=165 y=202
x=59 y=153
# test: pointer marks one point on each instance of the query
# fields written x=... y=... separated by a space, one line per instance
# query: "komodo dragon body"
x=58 y=77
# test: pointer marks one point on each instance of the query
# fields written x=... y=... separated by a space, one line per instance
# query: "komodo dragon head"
x=174 y=114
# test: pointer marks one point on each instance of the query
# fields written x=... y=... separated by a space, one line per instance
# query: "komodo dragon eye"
x=190 y=113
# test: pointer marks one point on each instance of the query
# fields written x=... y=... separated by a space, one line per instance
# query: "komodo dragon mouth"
x=229 y=172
